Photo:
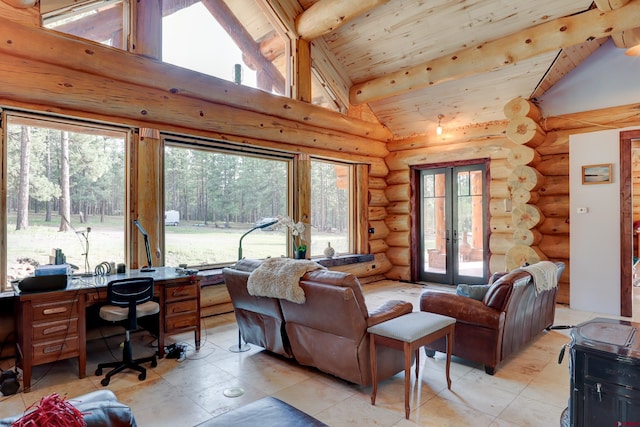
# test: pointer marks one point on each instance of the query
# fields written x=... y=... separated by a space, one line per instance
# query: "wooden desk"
x=51 y=326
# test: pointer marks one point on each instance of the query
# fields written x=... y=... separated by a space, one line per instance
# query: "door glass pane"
x=469 y=223
x=434 y=223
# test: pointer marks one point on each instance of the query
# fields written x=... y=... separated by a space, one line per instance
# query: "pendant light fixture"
x=439 y=128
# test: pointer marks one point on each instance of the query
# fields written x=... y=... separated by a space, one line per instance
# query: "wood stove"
x=605 y=374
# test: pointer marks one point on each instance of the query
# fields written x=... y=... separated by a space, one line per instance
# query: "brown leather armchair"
x=510 y=316
x=328 y=331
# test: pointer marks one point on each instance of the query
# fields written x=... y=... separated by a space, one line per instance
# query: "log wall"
x=533 y=177
x=466 y=145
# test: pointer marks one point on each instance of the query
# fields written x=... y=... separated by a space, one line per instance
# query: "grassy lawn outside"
x=188 y=243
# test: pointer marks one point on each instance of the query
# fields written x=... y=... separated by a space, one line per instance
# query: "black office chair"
x=127 y=300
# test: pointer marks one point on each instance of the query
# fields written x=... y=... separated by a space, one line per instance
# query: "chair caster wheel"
x=154 y=363
x=105 y=382
x=142 y=376
x=98 y=372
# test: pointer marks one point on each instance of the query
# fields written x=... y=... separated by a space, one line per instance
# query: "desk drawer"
x=174 y=293
x=58 y=328
x=182 y=307
x=58 y=349
x=98 y=295
x=181 y=321
x=55 y=310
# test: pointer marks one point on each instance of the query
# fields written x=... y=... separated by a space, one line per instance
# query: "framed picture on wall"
x=597 y=174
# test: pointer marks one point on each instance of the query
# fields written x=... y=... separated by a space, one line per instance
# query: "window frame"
x=351 y=220
x=61 y=123
x=74 y=8
x=225 y=147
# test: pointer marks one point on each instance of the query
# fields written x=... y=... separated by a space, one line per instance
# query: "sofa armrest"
x=461 y=308
x=389 y=310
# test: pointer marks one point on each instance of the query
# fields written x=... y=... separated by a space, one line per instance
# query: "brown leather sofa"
x=488 y=331
x=328 y=331
x=100 y=408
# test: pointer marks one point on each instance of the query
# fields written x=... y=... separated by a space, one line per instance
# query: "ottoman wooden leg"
x=449 y=338
x=407 y=377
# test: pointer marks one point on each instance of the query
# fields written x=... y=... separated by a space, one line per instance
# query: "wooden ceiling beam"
x=21 y=4
x=492 y=55
x=327 y=15
x=227 y=20
x=607 y=5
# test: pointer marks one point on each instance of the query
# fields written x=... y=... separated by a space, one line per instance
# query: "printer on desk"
x=46 y=278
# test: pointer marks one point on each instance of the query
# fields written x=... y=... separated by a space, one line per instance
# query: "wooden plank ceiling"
x=404 y=33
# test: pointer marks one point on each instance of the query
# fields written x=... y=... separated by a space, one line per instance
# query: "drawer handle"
x=179 y=294
x=55 y=329
x=54 y=349
x=56 y=310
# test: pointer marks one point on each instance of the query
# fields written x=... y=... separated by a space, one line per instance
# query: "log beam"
x=627 y=38
x=491 y=55
x=21 y=4
x=54 y=48
x=325 y=16
x=227 y=20
x=57 y=87
x=606 y=5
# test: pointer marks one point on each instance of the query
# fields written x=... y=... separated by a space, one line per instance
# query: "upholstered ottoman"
x=408 y=333
x=266 y=412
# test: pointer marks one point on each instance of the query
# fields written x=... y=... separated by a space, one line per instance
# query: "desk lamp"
x=149 y=266
x=269 y=223
x=85 y=247
x=240 y=348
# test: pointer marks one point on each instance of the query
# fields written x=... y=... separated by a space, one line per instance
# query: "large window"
x=65 y=189
x=214 y=196
x=233 y=41
x=103 y=21
x=331 y=217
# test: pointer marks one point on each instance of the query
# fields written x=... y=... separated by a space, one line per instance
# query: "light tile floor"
x=528 y=390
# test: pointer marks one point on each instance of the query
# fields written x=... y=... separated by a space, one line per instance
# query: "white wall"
x=595 y=235
x=607 y=78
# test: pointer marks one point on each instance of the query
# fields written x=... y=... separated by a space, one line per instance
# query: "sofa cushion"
x=338 y=278
x=472 y=291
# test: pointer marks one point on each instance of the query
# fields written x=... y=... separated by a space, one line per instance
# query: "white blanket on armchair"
x=544 y=274
x=280 y=278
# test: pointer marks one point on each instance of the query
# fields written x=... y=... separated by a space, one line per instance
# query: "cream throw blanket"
x=280 y=278
x=544 y=274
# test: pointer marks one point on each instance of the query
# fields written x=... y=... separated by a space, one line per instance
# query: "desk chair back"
x=129 y=299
